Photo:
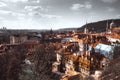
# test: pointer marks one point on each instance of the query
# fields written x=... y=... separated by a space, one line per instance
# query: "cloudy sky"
x=47 y=14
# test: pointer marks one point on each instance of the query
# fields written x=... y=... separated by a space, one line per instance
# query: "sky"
x=55 y=14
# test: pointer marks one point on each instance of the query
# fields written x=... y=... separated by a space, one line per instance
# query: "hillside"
x=99 y=26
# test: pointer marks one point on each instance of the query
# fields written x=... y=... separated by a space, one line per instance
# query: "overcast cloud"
x=47 y=14
x=109 y=1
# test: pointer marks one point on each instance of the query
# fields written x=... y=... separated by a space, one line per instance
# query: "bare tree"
x=116 y=52
x=10 y=64
x=112 y=71
x=43 y=59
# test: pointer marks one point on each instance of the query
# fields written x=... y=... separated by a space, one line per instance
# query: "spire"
x=51 y=31
x=86 y=24
x=86 y=28
x=107 y=26
x=112 y=24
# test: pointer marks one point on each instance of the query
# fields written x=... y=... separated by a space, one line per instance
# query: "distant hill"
x=67 y=29
x=21 y=31
x=99 y=26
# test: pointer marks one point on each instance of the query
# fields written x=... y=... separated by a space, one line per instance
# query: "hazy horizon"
x=55 y=14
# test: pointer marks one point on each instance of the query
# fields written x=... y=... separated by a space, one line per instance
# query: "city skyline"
x=55 y=14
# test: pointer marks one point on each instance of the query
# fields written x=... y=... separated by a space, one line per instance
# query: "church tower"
x=112 y=25
x=107 y=26
x=86 y=28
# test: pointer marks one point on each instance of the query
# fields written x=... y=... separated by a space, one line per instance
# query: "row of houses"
x=75 y=52
x=86 y=52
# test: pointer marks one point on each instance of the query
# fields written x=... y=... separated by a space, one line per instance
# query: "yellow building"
x=18 y=39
